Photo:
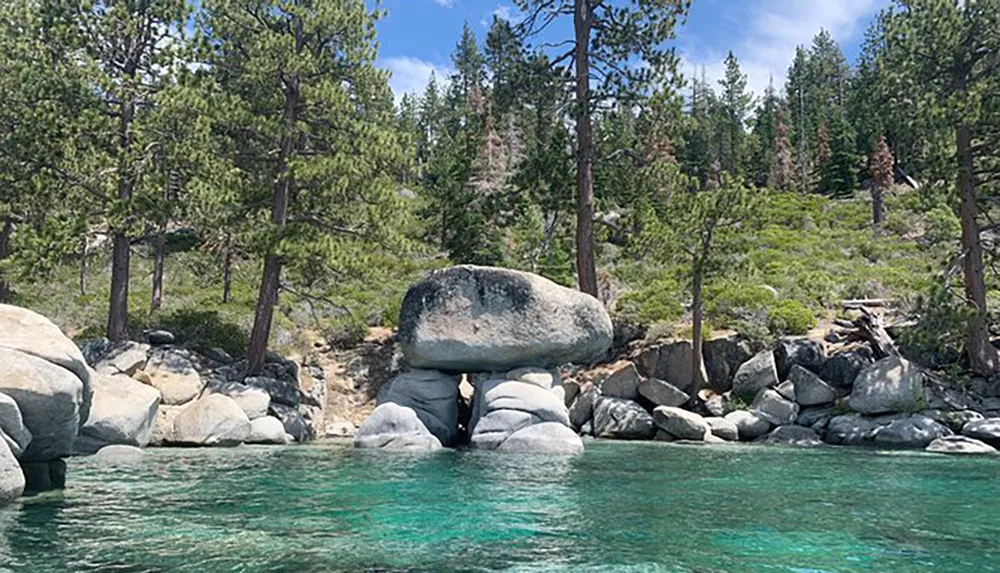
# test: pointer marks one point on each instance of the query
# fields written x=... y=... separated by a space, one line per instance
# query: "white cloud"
x=773 y=29
x=410 y=75
x=445 y=3
x=502 y=11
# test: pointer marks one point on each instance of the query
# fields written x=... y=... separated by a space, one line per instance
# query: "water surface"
x=620 y=507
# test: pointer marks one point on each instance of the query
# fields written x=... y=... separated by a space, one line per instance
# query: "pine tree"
x=322 y=148
x=783 y=172
x=734 y=104
x=881 y=170
x=764 y=133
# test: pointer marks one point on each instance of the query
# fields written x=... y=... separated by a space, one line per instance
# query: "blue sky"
x=418 y=36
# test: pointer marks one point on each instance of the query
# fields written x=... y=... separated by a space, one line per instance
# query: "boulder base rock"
x=681 y=424
x=798 y=351
x=749 y=425
x=582 y=410
x=12 y=428
x=960 y=445
x=214 y=420
x=723 y=357
x=11 y=477
x=890 y=385
x=395 y=428
x=433 y=396
x=50 y=399
x=123 y=412
x=281 y=391
x=544 y=438
x=502 y=407
x=755 y=374
x=473 y=319
x=842 y=369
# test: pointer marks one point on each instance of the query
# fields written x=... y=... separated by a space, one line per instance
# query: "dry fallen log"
x=860 y=303
x=872 y=328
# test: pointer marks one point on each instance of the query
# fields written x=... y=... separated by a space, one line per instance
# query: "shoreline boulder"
x=755 y=375
x=123 y=412
x=892 y=384
x=621 y=419
x=214 y=420
x=478 y=319
x=11 y=476
x=393 y=427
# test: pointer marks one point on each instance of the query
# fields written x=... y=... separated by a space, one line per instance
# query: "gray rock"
x=812 y=417
x=582 y=410
x=11 y=476
x=433 y=396
x=160 y=337
x=810 y=390
x=770 y=406
x=890 y=385
x=786 y=389
x=294 y=422
x=502 y=407
x=791 y=436
x=715 y=405
x=840 y=370
x=267 y=430
x=214 y=420
x=123 y=412
x=94 y=349
x=119 y=454
x=174 y=376
x=851 y=430
x=587 y=429
x=749 y=425
x=469 y=318
x=622 y=383
x=253 y=400
x=12 y=427
x=987 y=430
x=954 y=420
x=340 y=429
x=163 y=427
x=50 y=399
x=755 y=374
x=620 y=419
x=662 y=393
x=126 y=358
x=281 y=391
x=395 y=428
x=799 y=350
x=541 y=377
x=544 y=438
x=30 y=333
x=681 y=424
x=571 y=390
x=913 y=432
x=663 y=436
x=723 y=428
x=723 y=356
x=960 y=445
x=673 y=363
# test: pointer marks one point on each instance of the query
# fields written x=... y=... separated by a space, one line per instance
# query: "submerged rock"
x=118 y=453
x=851 y=430
x=474 y=319
x=544 y=438
x=791 y=436
x=960 y=445
x=890 y=385
x=620 y=419
x=395 y=428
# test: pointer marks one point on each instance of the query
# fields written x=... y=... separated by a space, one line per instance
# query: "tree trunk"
x=83 y=267
x=983 y=356
x=121 y=250
x=5 y=232
x=267 y=297
x=878 y=205
x=696 y=328
x=227 y=276
x=586 y=268
x=159 y=254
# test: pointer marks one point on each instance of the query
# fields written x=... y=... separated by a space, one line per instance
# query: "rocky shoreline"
x=508 y=361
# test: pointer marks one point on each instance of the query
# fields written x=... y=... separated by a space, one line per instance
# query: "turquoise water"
x=619 y=507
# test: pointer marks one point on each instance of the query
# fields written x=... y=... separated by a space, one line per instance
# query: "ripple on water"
x=619 y=507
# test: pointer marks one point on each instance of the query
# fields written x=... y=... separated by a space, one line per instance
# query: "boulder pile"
x=502 y=332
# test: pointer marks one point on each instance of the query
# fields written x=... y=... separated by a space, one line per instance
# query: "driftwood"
x=858 y=304
x=871 y=327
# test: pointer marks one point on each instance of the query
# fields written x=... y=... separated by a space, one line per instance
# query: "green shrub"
x=790 y=317
x=732 y=301
x=660 y=300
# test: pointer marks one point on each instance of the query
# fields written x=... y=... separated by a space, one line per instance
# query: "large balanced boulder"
x=892 y=384
x=433 y=396
x=214 y=420
x=12 y=428
x=395 y=428
x=620 y=419
x=11 y=476
x=123 y=412
x=474 y=319
x=50 y=399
